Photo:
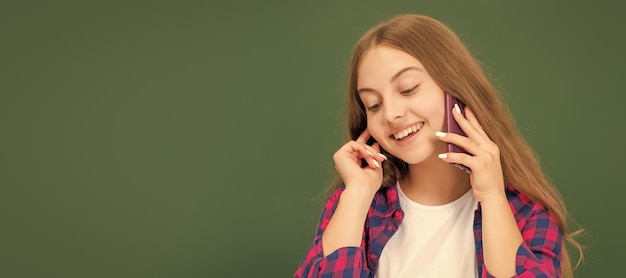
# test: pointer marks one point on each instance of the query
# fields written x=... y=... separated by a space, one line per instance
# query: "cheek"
x=439 y=119
x=434 y=111
x=376 y=129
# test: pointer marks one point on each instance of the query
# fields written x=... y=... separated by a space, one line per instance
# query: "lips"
x=406 y=132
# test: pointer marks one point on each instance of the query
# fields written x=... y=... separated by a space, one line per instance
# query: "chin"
x=412 y=158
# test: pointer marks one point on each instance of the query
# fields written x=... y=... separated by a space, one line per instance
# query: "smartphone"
x=453 y=127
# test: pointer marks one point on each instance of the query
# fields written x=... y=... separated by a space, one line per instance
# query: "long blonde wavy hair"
x=456 y=71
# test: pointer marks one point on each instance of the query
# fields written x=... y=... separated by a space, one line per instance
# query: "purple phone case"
x=453 y=127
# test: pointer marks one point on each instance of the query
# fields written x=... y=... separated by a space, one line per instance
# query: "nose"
x=394 y=109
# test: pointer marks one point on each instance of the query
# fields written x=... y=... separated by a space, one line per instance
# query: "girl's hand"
x=348 y=164
x=486 y=169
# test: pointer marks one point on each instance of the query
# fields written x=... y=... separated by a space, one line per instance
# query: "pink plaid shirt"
x=539 y=255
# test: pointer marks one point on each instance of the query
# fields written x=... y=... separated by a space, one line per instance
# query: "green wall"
x=194 y=139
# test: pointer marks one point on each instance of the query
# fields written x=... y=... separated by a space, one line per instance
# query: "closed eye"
x=373 y=107
x=409 y=91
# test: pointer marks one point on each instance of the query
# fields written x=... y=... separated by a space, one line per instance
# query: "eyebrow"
x=393 y=78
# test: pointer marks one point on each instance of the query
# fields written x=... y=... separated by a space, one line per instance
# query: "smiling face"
x=404 y=105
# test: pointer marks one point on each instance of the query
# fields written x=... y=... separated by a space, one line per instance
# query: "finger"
x=465 y=125
x=352 y=153
x=368 y=154
x=469 y=115
x=363 y=137
x=374 y=152
x=375 y=148
x=364 y=153
x=459 y=158
x=485 y=143
x=464 y=142
x=373 y=163
x=361 y=150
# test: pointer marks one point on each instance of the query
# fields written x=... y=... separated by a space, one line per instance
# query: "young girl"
x=402 y=208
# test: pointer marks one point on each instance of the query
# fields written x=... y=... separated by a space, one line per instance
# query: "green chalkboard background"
x=194 y=138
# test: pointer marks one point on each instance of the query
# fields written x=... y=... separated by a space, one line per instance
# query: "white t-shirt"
x=432 y=241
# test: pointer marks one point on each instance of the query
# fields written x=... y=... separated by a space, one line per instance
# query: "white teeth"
x=404 y=133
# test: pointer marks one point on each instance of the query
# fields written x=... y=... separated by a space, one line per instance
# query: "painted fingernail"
x=443 y=155
x=440 y=134
x=383 y=156
x=368 y=152
x=457 y=109
x=376 y=163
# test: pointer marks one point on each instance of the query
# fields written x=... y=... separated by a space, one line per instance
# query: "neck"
x=434 y=182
